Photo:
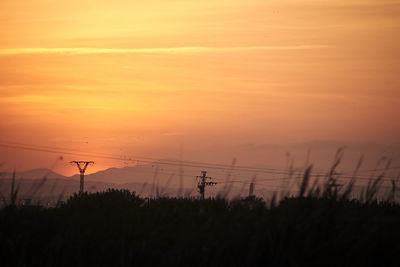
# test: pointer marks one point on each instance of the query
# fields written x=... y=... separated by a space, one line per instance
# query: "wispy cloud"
x=173 y=134
x=25 y=99
x=183 y=49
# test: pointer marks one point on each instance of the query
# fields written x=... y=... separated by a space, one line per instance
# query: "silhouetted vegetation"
x=320 y=223
x=118 y=228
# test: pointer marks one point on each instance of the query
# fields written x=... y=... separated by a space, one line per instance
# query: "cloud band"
x=184 y=49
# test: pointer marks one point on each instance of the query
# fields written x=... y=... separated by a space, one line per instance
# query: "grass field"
x=320 y=225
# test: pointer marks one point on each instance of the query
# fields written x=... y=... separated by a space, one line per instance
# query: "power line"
x=168 y=163
x=171 y=162
x=165 y=162
x=146 y=159
x=140 y=158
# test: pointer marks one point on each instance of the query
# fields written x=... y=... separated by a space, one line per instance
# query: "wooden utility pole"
x=82 y=165
x=202 y=183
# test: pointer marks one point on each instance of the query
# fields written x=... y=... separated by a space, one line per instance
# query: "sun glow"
x=221 y=73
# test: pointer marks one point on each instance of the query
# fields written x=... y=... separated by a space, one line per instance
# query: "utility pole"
x=82 y=165
x=202 y=183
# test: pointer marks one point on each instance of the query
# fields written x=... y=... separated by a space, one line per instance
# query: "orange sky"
x=141 y=77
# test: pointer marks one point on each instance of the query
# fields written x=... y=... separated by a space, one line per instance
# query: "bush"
x=118 y=228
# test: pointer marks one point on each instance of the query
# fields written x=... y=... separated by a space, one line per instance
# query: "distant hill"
x=121 y=175
x=35 y=174
x=161 y=172
x=32 y=185
x=126 y=175
x=147 y=180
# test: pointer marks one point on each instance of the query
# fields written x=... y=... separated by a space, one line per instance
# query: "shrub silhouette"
x=320 y=224
x=118 y=228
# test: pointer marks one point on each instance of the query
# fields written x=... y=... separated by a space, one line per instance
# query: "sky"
x=149 y=77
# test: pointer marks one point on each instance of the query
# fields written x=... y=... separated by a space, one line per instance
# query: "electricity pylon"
x=202 y=183
x=82 y=165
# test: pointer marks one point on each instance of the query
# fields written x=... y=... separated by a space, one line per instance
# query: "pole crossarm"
x=202 y=183
x=82 y=166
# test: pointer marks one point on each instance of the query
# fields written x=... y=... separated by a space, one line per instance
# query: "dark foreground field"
x=117 y=228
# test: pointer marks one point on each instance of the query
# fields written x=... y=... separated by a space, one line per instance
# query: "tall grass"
x=308 y=185
x=321 y=222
